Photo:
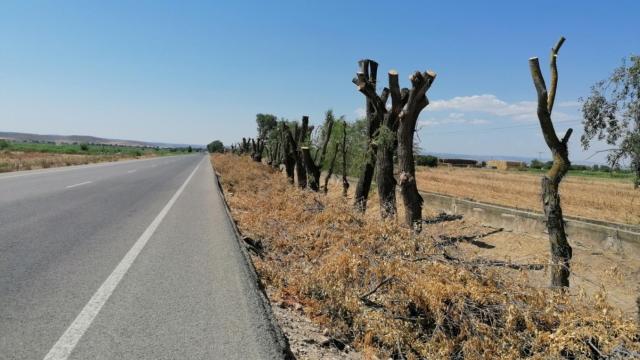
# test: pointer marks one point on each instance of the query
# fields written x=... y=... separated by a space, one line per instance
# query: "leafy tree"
x=84 y=147
x=189 y=149
x=215 y=146
x=356 y=146
x=426 y=160
x=4 y=144
x=612 y=113
x=266 y=123
x=536 y=164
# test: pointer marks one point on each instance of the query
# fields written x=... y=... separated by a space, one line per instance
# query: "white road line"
x=80 y=184
x=68 y=341
x=132 y=171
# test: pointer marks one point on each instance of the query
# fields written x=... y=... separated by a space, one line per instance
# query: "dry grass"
x=318 y=252
x=600 y=199
x=16 y=160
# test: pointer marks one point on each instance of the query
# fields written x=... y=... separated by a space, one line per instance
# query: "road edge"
x=276 y=331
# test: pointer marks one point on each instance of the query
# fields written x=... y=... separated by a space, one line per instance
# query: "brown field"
x=601 y=199
x=17 y=160
x=390 y=293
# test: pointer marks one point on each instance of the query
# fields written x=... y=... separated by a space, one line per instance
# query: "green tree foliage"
x=612 y=113
x=189 y=149
x=426 y=160
x=536 y=164
x=215 y=146
x=4 y=144
x=356 y=146
x=266 y=123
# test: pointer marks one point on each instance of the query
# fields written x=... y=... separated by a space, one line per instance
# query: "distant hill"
x=70 y=139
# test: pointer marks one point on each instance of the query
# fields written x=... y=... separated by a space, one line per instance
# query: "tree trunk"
x=416 y=101
x=257 y=149
x=369 y=72
x=384 y=179
x=313 y=170
x=364 y=181
x=560 y=248
x=301 y=136
x=288 y=158
x=561 y=251
x=330 y=171
x=408 y=188
x=297 y=159
x=387 y=143
x=636 y=163
x=345 y=181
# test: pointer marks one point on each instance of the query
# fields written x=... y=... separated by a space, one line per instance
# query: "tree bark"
x=367 y=76
x=331 y=167
x=345 y=181
x=561 y=251
x=301 y=135
x=257 y=150
x=636 y=162
x=416 y=101
x=387 y=143
x=296 y=155
x=313 y=170
x=288 y=157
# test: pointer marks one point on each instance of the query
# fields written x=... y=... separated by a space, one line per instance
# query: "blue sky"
x=194 y=71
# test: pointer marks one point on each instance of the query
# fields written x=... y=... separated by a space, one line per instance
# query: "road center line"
x=80 y=184
x=68 y=341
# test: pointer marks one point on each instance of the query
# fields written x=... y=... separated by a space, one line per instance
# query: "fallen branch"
x=478 y=262
x=364 y=297
x=473 y=239
x=443 y=217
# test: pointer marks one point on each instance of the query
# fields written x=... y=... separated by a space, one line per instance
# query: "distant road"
x=128 y=260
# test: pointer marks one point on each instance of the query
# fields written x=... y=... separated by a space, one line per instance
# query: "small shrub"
x=426 y=160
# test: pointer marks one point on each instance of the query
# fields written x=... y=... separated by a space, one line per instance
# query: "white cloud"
x=492 y=105
x=453 y=118
x=487 y=103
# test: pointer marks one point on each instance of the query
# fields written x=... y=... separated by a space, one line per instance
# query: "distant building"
x=505 y=164
x=458 y=162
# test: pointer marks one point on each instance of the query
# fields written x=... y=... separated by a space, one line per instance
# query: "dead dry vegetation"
x=17 y=160
x=599 y=199
x=391 y=293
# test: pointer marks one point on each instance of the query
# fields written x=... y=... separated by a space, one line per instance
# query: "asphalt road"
x=127 y=260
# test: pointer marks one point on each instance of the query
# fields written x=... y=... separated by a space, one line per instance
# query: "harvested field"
x=389 y=293
x=601 y=199
x=17 y=161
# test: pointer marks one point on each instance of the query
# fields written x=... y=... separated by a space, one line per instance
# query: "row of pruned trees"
x=383 y=146
x=388 y=144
